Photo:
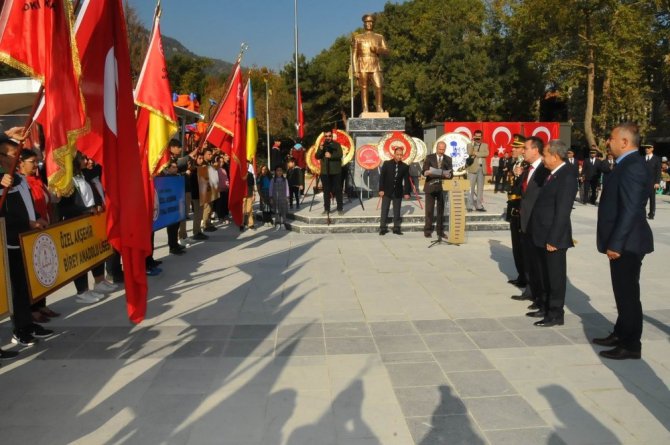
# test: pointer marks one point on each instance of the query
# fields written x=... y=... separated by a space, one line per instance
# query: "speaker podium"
x=456 y=188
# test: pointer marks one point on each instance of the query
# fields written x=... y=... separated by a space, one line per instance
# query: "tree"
x=592 y=51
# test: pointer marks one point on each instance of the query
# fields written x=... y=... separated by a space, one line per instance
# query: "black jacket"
x=332 y=165
x=15 y=213
x=431 y=161
x=654 y=169
x=294 y=177
x=591 y=171
x=550 y=220
x=622 y=223
x=531 y=193
x=394 y=186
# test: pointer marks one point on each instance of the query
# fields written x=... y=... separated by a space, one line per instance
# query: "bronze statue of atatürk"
x=366 y=49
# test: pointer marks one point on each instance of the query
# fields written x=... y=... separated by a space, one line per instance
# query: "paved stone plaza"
x=272 y=337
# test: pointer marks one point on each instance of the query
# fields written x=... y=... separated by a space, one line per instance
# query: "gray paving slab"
x=248 y=341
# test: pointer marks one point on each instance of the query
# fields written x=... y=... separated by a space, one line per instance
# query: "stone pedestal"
x=370 y=130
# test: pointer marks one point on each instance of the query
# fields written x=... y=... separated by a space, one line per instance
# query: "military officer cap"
x=368 y=18
x=518 y=140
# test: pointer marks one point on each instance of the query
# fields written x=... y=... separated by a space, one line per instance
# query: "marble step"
x=317 y=218
x=358 y=227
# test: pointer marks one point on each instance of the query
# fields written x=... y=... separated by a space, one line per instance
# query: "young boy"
x=294 y=177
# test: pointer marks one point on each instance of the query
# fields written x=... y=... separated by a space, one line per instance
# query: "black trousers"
x=386 y=203
x=21 y=317
x=81 y=282
x=625 y=273
x=517 y=251
x=332 y=184
x=431 y=200
x=113 y=266
x=531 y=265
x=172 y=234
x=652 y=201
x=590 y=191
x=294 y=193
x=554 y=270
x=500 y=181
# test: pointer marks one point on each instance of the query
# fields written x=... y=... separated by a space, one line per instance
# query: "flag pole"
x=295 y=38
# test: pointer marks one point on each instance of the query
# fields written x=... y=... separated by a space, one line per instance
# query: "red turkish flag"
x=37 y=41
x=301 y=117
x=465 y=128
x=222 y=128
x=107 y=85
x=499 y=136
x=238 y=156
x=544 y=130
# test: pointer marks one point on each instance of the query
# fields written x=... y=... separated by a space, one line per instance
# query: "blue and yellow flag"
x=252 y=128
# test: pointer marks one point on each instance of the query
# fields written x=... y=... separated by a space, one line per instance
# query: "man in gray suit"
x=478 y=151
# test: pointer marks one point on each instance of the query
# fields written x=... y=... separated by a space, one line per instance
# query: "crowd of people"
x=542 y=181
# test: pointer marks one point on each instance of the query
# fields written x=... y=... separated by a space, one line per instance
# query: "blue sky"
x=215 y=28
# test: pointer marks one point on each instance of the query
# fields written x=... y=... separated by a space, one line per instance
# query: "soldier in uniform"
x=366 y=48
x=513 y=208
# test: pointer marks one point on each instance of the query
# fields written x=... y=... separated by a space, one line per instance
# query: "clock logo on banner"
x=45 y=260
x=457 y=150
x=465 y=130
x=111 y=84
x=421 y=150
x=502 y=147
x=544 y=130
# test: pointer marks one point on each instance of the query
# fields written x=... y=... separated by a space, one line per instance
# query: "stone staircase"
x=316 y=223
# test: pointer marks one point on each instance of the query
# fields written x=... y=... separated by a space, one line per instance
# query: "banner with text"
x=169 y=201
x=5 y=290
x=55 y=256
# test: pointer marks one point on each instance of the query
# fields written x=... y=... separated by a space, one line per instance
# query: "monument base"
x=369 y=130
x=374 y=115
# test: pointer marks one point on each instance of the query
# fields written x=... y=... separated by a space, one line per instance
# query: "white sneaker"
x=88 y=297
x=104 y=287
x=185 y=242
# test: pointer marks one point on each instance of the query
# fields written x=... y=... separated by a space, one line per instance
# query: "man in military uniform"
x=366 y=49
x=513 y=208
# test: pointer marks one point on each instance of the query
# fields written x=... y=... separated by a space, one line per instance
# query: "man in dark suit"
x=514 y=207
x=591 y=169
x=551 y=231
x=532 y=180
x=393 y=186
x=433 y=189
x=330 y=155
x=624 y=235
x=654 y=171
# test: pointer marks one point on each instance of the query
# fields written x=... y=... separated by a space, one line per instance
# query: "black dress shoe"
x=610 y=340
x=619 y=353
x=513 y=281
x=549 y=322
x=397 y=231
x=427 y=235
x=533 y=307
x=442 y=235
x=383 y=231
x=650 y=216
x=521 y=297
x=7 y=355
x=520 y=284
x=535 y=314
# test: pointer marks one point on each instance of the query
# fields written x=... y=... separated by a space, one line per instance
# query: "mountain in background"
x=173 y=47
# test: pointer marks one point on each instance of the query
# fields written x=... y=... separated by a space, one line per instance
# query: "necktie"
x=525 y=183
x=439 y=161
x=395 y=176
x=593 y=161
x=648 y=157
x=549 y=178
